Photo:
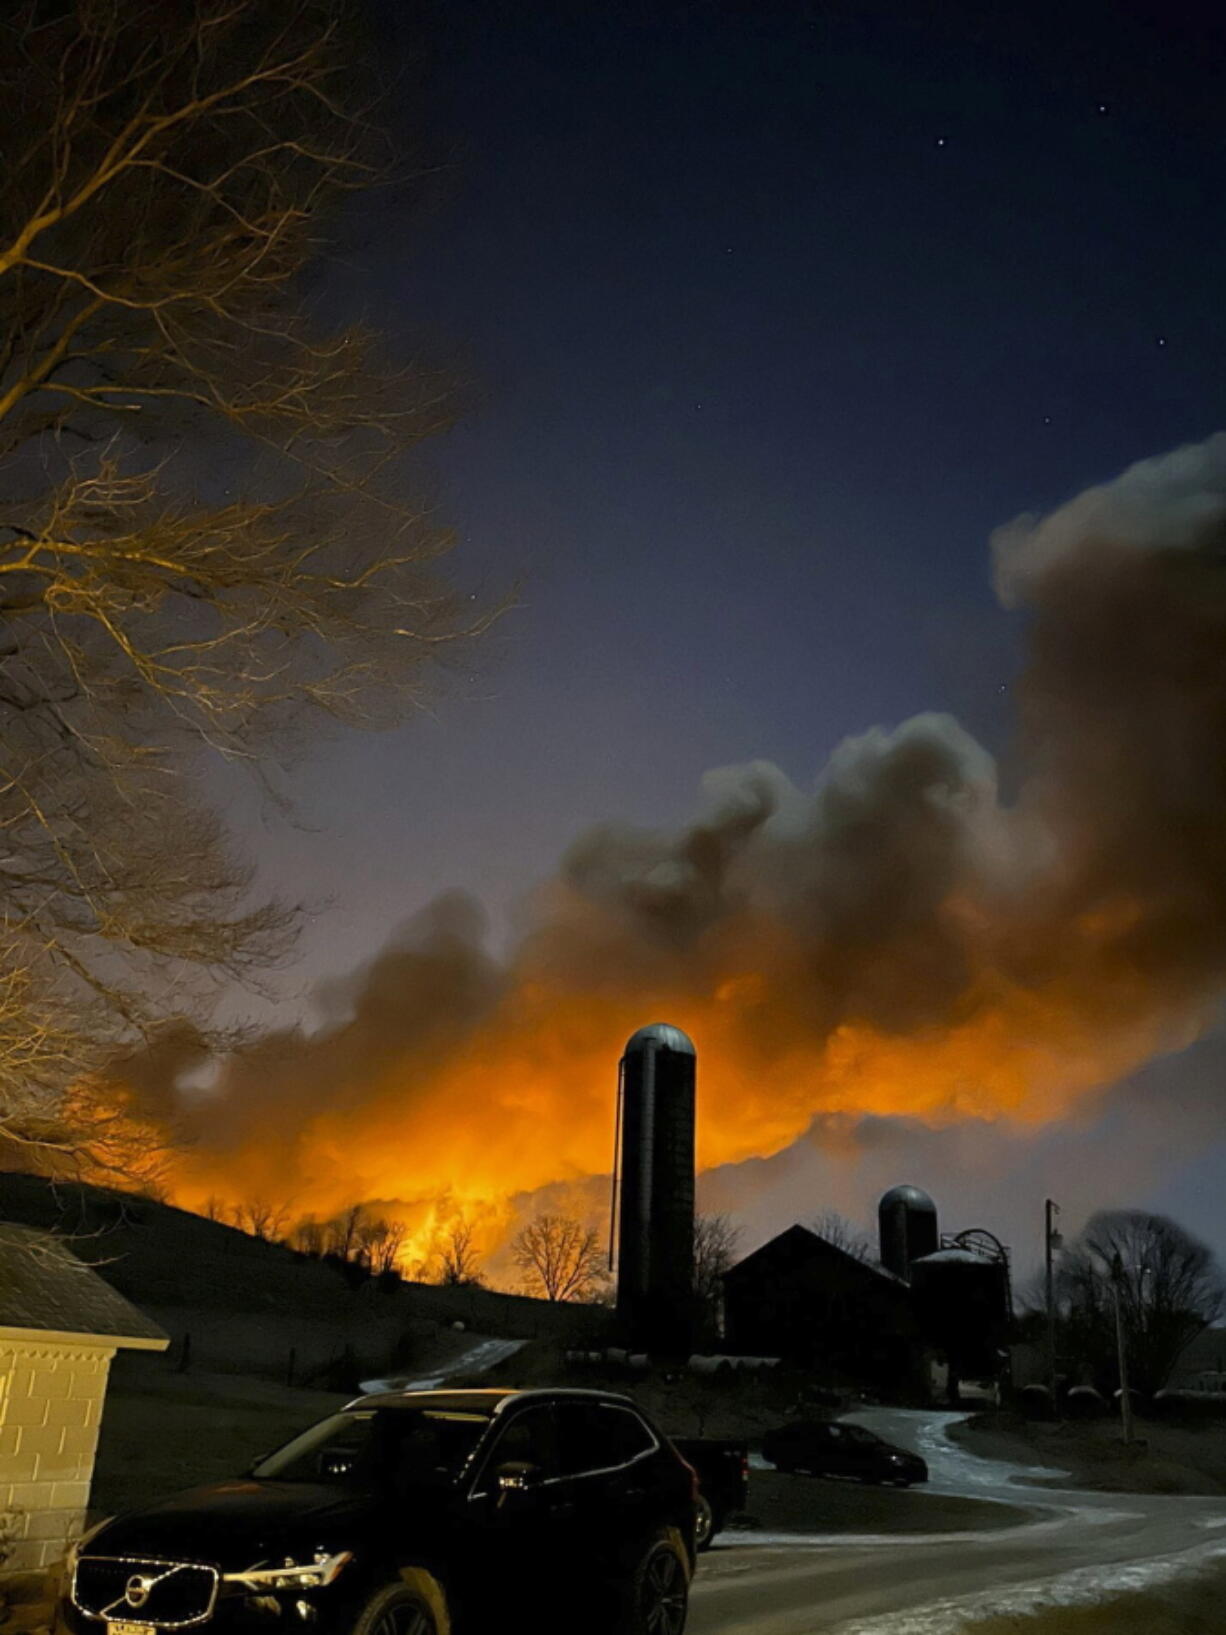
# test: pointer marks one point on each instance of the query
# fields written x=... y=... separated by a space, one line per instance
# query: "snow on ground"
x=475 y=1360
x=1083 y=1586
x=951 y=1467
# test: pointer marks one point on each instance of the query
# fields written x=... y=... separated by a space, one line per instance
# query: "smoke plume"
x=899 y=939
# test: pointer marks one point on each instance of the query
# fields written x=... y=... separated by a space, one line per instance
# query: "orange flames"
x=896 y=940
x=527 y=1103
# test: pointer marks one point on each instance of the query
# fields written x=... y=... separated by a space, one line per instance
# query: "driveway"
x=1073 y=1547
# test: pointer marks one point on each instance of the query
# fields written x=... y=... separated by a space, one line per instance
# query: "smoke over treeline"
x=896 y=939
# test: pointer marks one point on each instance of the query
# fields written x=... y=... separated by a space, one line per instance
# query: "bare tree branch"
x=559 y=1257
x=213 y=532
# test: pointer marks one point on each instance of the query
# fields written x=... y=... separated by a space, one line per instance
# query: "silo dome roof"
x=909 y=1196
x=660 y=1036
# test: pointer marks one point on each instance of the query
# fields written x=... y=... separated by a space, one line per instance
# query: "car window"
x=857 y=1433
x=403 y=1446
x=630 y=1435
x=587 y=1440
x=600 y=1436
x=530 y=1438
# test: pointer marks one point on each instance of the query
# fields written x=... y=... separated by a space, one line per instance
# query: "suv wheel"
x=658 y=1591
x=412 y=1608
x=704 y=1524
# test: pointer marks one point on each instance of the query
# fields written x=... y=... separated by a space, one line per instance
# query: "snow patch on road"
x=838 y=1541
x=1083 y=1586
x=951 y=1467
x=473 y=1361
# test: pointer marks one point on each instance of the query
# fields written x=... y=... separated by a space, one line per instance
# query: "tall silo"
x=655 y=1196
x=907 y=1223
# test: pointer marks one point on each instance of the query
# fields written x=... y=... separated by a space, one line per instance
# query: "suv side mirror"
x=515 y=1480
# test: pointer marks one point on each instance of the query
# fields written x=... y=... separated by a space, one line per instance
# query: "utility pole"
x=1117 y=1281
x=1052 y=1242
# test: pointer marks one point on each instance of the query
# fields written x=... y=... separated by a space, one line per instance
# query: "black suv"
x=414 y=1513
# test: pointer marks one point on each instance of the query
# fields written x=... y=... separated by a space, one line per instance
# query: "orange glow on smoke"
x=527 y=1101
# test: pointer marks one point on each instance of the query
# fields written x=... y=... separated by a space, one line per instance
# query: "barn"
x=804 y=1299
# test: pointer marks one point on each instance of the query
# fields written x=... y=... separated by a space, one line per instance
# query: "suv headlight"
x=293 y=1575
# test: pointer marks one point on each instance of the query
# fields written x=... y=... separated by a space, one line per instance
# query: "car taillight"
x=695 y=1485
x=745 y=1465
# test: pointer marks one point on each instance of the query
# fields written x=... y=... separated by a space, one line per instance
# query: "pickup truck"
x=722 y=1469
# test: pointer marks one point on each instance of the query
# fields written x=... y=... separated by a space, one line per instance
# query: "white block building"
x=60 y=1325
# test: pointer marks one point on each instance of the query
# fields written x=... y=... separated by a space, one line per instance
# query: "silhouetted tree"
x=559 y=1257
x=262 y=1218
x=208 y=535
x=715 y=1246
x=1170 y=1288
x=836 y=1229
x=342 y=1235
x=456 y=1260
x=383 y=1245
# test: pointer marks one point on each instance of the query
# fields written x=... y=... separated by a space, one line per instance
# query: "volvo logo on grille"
x=137 y=1591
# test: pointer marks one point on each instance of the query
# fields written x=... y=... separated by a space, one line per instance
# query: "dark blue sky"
x=776 y=310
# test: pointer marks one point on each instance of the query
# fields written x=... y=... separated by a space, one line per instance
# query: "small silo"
x=655 y=1195
x=962 y=1303
x=907 y=1224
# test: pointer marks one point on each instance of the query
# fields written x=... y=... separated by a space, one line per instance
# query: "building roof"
x=913 y=1197
x=799 y=1242
x=662 y=1036
x=46 y=1289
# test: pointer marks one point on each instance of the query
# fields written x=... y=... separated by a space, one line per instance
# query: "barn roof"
x=45 y=1289
x=800 y=1243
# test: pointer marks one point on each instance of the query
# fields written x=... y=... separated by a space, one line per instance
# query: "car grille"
x=166 y=1594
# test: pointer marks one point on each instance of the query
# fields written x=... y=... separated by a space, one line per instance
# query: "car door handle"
x=561 y=1507
x=635 y=1492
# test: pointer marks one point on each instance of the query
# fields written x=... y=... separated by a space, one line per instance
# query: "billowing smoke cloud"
x=897 y=940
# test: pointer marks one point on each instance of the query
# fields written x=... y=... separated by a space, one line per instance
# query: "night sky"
x=775 y=312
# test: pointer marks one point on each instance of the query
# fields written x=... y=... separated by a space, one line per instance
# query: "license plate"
x=128 y=1629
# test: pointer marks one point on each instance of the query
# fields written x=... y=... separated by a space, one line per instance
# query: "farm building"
x=60 y=1325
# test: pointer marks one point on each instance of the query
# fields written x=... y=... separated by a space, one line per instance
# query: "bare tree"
x=205 y=539
x=385 y=1252
x=308 y=1236
x=455 y=1258
x=1170 y=1289
x=715 y=1247
x=342 y=1235
x=262 y=1218
x=843 y=1234
x=559 y=1257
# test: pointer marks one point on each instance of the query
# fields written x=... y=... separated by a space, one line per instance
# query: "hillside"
x=233 y=1303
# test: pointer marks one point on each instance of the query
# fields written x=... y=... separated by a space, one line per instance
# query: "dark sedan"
x=826 y=1449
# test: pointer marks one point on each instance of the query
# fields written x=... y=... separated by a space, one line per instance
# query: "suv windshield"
x=397 y=1447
